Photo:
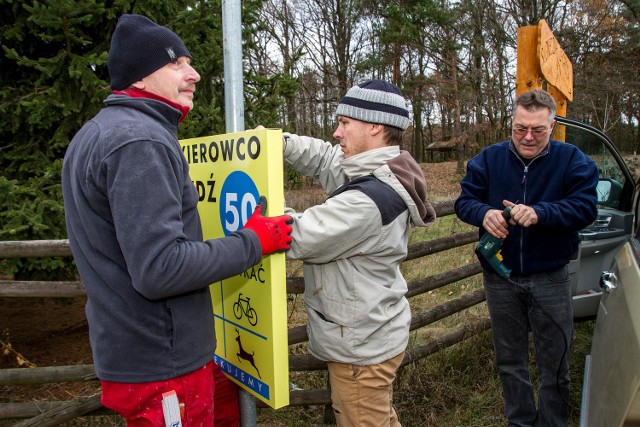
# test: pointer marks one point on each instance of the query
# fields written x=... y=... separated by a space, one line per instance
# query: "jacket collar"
x=139 y=93
x=512 y=147
x=365 y=163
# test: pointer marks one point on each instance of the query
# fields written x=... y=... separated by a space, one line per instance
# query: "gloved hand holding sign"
x=274 y=232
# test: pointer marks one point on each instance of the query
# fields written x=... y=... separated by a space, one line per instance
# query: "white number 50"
x=238 y=212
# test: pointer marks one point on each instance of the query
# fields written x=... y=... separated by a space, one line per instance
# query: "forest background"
x=454 y=60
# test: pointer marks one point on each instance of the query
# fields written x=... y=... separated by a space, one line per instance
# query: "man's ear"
x=138 y=85
x=376 y=129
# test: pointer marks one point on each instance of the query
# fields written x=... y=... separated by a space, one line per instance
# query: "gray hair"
x=535 y=99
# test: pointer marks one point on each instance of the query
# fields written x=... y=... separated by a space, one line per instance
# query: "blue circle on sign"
x=238 y=199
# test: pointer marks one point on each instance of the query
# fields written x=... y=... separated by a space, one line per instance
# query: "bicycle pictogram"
x=242 y=306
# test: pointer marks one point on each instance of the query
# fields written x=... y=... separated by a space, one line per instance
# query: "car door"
x=614 y=225
x=611 y=384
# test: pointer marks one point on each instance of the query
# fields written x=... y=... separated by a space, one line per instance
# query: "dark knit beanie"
x=139 y=47
x=376 y=101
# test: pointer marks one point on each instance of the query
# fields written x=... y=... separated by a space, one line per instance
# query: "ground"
x=43 y=332
x=53 y=332
x=40 y=332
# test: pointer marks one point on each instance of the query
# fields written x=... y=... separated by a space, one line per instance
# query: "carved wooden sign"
x=554 y=63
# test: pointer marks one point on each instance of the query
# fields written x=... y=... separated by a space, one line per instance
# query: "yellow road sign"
x=230 y=172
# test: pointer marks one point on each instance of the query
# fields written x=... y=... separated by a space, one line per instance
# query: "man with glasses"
x=550 y=188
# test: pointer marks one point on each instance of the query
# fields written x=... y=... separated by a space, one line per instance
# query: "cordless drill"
x=489 y=248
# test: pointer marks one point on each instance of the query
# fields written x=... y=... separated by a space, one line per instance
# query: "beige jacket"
x=352 y=246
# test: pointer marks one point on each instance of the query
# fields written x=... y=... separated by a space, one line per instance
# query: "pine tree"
x=54 y=77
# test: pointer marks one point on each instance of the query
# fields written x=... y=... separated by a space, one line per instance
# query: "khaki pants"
x=362 y=396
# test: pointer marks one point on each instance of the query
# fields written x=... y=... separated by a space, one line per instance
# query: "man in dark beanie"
x=352 y=246
x=135 y=233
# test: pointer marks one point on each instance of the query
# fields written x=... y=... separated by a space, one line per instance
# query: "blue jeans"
x=541 y=304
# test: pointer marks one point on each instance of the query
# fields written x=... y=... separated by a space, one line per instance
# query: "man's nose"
x=193 y=74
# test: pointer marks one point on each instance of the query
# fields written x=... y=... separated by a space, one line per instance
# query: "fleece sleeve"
x=316 y=159
x=469 y=206
x=153 y=204
x=578 y=206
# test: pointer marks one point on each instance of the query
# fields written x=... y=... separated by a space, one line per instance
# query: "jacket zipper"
x=524 y=201
x=523 y=182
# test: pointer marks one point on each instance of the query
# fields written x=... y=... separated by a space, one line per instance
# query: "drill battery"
x=489 y=247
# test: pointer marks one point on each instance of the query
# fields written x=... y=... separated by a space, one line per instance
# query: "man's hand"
x=495 y=223
x=284 y=140
x=274 y=232
x=522 y=215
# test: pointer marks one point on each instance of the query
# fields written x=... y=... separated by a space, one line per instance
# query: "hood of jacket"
x=400 y=170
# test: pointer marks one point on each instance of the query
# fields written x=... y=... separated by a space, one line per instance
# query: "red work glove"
x=274 y=232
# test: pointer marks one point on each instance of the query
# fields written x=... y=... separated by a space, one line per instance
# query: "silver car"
x=606 y=283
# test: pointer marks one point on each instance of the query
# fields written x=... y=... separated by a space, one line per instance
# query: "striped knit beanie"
x=376 y=101
x=139 y=47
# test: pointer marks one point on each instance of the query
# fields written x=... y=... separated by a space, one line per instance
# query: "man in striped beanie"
x=352 y=246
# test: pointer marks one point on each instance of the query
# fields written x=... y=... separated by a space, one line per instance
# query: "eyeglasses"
x=522 y=131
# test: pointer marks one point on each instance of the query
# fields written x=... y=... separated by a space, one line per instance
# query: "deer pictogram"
x=244 y=355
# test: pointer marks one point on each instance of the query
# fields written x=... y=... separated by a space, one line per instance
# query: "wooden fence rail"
x=52 y=413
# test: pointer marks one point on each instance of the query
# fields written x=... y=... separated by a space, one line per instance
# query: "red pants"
x=227 y=409
x=206 y=396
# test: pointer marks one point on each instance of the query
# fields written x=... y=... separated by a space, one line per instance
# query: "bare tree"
x=455 y=60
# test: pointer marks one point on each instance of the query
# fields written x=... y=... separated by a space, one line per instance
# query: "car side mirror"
x=608 y=192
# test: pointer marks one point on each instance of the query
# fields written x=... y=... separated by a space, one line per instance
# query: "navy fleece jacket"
x=560 y=184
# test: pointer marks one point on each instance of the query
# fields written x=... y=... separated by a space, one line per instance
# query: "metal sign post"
x=234 y=120
x=233 y=79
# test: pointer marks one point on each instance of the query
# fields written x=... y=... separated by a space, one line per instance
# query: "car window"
x=614 y=178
